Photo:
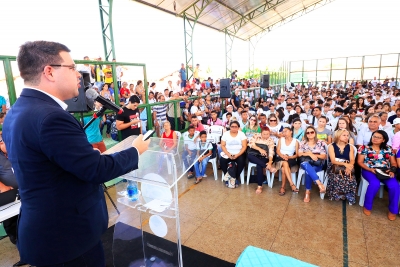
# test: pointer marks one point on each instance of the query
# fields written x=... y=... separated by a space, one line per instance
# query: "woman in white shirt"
x=287 y=158
x=233 y=144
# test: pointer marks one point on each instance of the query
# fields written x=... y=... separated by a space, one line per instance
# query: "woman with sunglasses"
x=377 y=157
x=287 y=151
x=315 y=150
x=233 y=144
x=263 y=145
x=275 y=127
x=252 y=127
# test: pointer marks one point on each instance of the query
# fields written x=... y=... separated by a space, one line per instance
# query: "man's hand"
x=141 y=145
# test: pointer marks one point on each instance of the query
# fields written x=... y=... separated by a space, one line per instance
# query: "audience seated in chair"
x=378 y=155
x=286 y=159
x=342 y=183
x=261 y=153
x=312 y=149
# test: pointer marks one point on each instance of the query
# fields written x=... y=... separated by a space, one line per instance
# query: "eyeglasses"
x=377 y=137
x=71 y=67
x=272 y=120
x=374 y=121
x=253 y=119
x=312 y=132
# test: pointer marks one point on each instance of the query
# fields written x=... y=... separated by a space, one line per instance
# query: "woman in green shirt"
x=250 y=129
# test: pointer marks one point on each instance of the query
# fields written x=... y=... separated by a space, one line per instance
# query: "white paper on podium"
x=157 y=205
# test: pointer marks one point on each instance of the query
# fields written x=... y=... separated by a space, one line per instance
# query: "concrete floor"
x=222 y=222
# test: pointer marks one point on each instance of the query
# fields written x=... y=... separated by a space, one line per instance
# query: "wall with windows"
x=345 y=69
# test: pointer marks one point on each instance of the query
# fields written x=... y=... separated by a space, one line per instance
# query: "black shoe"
x=13 y=239
x=20 y=263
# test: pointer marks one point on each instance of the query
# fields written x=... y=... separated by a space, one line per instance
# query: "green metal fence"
x=345 y=69
x=277 y=81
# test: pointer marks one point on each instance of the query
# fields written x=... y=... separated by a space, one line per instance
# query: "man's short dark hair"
x=34 y=56
x=191 y=127
x=243 y=111
x=134 y=99
x=351 y=111
x=317 y=107
x=203 y=133
x=263 y=115
x=214 y=111
x=271 y=105
x=320 y=102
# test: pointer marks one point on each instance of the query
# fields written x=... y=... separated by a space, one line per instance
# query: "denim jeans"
x=188 y=160
x=310 y=173
x=108 y=122
x=203 y=164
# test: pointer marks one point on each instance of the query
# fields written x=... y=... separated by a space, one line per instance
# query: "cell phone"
x=148 y=135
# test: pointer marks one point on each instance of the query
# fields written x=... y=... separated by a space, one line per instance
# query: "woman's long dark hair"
x=385 y=139
x=294 y=117
x=358 y=104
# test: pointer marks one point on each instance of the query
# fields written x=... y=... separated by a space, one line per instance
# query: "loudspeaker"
x=78 y=104
x=265 y=81
x=225 y=88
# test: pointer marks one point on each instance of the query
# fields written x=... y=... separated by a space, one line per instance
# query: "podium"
x=147 y=233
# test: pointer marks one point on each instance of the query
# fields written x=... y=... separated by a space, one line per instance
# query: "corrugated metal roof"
x=240 y=18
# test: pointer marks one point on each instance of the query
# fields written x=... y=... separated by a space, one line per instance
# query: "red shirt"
x=123 y=91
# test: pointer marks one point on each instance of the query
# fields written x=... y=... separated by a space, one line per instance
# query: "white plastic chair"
x=250 y=170
x=214 y=160
x=216 y=129
x=206 y=127
x=362 y=190
x=272 y=177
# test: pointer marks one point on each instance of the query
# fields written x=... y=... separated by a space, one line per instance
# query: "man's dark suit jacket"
x=63 y=212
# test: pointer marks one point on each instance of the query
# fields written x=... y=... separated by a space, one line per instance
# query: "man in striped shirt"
x=160 y=115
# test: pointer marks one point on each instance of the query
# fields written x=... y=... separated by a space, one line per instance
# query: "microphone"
x=92 y=95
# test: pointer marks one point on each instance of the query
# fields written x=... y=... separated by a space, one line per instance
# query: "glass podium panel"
x=150 y=220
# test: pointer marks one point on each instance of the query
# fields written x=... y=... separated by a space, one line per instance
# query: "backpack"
x=230 y=175
x=214 y=151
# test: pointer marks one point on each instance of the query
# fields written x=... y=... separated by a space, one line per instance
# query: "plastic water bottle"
x=132 y=190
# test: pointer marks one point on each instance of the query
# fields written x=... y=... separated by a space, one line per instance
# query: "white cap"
x=396 y=121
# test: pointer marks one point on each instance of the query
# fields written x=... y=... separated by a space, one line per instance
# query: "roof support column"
x=190 y=16
x=188 y=26
x=252 y=50
x=228 y=52
x=105 y=8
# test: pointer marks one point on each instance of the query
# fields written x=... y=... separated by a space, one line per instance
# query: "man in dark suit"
x=63 y=212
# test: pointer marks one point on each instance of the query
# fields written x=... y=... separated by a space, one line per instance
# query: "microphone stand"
x=96 y=115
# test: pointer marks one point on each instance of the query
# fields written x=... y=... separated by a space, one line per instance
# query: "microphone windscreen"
x=91 y=94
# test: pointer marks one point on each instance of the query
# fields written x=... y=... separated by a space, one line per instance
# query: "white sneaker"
x=205 y=175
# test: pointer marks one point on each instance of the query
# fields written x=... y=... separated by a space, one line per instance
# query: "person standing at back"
x=63 y=212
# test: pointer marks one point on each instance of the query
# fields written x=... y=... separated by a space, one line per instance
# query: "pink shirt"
x=396 y=141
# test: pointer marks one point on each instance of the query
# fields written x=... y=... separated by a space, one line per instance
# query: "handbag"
x=319 y=162
x=382 y=173
x=256 y=153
